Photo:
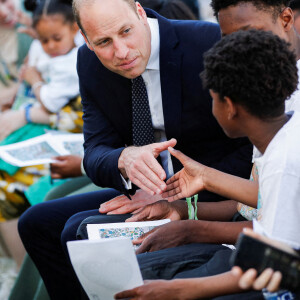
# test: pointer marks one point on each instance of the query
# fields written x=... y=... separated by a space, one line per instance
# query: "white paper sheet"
x=105 y=267
x=42 y=149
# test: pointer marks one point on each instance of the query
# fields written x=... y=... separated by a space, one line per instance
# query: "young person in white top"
x=243 y=72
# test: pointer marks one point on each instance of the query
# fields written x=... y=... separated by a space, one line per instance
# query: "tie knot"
x=138 y=80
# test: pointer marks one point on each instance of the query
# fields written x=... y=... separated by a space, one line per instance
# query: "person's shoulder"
x=87 y=60
x=198 y=32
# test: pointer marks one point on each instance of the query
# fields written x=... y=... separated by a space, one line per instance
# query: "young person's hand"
x=169 y=235
x=122 y=205
x=154 y=290
x=188 y=181
x=66 y=166
x=161 y=210
x=139 y=164
x=268 y=279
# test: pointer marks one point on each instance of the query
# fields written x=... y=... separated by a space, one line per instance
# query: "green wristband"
x=190 y=208
x=196 y=207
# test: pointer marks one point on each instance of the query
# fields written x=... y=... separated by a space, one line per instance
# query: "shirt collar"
x=153 y=63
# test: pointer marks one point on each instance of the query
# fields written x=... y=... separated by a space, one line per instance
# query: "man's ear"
x=86 y=41
x=287 y=19
x=230 y=107
x=140 y=11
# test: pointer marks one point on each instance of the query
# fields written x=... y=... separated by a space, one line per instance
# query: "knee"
x=30 y=221
x=70 y=229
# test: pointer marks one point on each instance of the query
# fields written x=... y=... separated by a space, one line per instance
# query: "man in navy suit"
x=127 y=42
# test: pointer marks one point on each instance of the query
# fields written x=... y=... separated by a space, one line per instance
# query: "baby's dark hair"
x=50 y=7
x=253 y=68
x=274 y=6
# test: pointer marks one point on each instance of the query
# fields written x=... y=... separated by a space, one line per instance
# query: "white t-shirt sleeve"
x=63 y=83
x=34 y=53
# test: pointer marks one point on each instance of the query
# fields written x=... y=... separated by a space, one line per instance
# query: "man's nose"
x=121 y=49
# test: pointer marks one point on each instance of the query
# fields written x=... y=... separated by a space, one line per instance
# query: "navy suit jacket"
x=187 y=107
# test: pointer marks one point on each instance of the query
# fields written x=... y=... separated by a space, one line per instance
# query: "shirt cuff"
x=82 y=168
x=127 y=184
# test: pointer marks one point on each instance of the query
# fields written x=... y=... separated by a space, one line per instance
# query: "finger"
x=159 y=147
x=174 y=178
x=59 y=158
x=179 y=155
x=145 y=247
x=274 y=282
x=126 y=294
x=141 y=216
x=137 y=211
x=145 y=188
x=173 y=195
x=125 y=209
x=247 y=279
x=55 y=176
x=237 y=271
x=141 y=239
x=113 y=204
x=154 y=167
x=263 y=279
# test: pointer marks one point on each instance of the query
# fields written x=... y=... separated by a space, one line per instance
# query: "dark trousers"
x=47 y=227
x=187 y=261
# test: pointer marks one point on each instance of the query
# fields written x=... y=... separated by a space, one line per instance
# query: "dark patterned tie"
x=143 y=133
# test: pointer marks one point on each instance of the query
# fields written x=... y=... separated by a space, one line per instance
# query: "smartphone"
x=253 y=253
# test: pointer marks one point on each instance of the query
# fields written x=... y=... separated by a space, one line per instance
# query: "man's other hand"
x=161 y=210
x=123 y=205
x=139 y=164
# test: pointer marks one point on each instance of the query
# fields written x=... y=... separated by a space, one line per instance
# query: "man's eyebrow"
x=99 y=40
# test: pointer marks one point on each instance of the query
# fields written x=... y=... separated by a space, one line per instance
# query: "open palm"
x=188 y=181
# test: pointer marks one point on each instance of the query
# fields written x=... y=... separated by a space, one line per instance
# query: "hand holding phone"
x=260 y=254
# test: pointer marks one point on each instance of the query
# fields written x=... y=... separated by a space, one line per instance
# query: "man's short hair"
x=253 y=68
x=77 y=4
x=274 y=6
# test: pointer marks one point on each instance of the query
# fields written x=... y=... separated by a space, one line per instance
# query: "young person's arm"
x=178 y=210
x=194 y=288
x=195 y=177
x=179 y=233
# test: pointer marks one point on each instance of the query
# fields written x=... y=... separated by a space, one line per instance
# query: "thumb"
x=59 y=158
x=179 y=155
x=160 y=147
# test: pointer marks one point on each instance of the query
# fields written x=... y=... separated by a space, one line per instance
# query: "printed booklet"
x=42 y=149
x=132 y=230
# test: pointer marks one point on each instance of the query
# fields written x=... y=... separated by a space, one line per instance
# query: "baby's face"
x=56 y=35
x=8 y=13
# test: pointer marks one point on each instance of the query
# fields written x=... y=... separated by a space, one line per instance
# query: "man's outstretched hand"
x=139 y=164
